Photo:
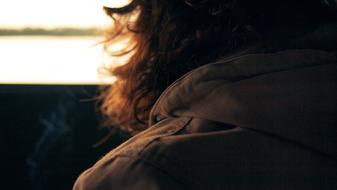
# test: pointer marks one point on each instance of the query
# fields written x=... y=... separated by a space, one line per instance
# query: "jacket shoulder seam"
x=150 y=163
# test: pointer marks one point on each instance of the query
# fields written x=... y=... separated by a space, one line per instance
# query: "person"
x=222 y=94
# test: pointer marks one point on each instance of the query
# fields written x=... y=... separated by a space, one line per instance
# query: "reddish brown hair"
x=169 y=38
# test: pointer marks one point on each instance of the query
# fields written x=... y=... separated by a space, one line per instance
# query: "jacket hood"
x=289 y=94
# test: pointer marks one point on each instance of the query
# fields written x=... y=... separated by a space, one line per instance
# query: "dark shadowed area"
x=48 y=135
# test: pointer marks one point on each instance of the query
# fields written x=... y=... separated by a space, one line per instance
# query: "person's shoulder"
x=126 y=167
x=125 y=172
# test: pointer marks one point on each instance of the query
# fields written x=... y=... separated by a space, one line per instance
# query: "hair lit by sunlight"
x=49 y=59
x=56 y=60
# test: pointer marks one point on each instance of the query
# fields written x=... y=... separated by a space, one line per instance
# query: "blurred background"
x=50 y=59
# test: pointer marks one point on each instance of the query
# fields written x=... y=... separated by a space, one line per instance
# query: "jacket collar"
x=290 y=94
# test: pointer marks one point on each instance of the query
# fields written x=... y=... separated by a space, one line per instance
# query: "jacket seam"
x=157 y=167
x=183 y=125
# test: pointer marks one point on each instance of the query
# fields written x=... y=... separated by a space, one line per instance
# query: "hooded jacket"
x=256 y=121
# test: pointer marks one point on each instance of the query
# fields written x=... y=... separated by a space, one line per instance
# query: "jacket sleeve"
x=126 y=173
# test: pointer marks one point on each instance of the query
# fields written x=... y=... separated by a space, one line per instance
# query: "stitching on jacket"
x=181 y=125
x=156 y=166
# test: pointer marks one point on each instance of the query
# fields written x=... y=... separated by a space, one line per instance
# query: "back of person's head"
x=170 y=38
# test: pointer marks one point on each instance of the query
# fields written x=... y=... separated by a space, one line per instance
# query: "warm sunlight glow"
x=115 y=3
x=51 y=59
x=51 y=13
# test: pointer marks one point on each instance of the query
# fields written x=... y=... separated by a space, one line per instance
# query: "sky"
x=54 y=13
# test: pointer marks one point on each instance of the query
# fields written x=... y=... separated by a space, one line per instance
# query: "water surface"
x=50 y=60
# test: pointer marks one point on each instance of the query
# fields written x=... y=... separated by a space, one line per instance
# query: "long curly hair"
x=169 y=38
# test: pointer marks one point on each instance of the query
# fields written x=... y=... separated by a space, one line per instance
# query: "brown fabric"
x=258 y=121
x=290 y=94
